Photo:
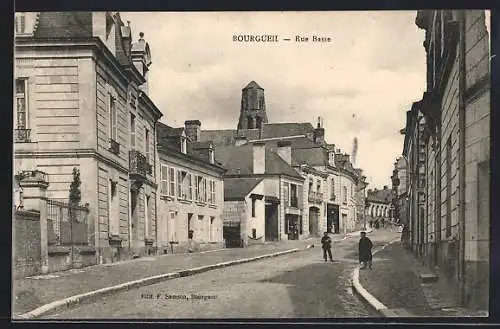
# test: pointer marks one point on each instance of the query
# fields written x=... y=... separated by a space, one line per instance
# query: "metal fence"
x=68 y=224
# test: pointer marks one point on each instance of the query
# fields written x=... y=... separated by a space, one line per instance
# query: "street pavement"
x=396 y=283
x=298 y=285
x=30 y=293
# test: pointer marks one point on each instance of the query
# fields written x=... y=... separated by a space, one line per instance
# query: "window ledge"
x=167 y=197
x=184 y=200
x=213 y=206
x=201 y=204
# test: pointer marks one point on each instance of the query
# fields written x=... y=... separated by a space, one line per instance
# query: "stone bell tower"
x=253 y=107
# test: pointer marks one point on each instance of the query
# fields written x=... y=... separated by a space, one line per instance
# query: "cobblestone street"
x=295 y=285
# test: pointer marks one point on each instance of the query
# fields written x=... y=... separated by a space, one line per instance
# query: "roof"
x=237 y=188
x=239 y=160
x=383 y=196
x=165 y=131
x=64 y=24
x=253 y=85
x=270 y=130
x=312 y=156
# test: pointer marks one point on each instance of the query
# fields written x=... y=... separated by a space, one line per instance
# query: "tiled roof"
x=167 y=131
x=271 y=130
x=239 y=160
x=253 y=84
x=238 y=188
x=384 y=196
x=64 y=24
x=313 y=156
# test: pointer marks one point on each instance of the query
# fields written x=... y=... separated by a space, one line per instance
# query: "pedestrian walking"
x=326 y=243
x=365 y=251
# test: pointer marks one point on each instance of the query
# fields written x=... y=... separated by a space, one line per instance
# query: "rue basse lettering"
x=314 y=38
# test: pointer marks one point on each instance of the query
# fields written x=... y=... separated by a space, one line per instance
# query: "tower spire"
x=253 y=107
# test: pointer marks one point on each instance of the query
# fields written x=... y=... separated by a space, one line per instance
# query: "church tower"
x=253 y=107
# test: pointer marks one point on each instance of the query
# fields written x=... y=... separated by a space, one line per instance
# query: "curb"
x=370 y=299
x=91 y=295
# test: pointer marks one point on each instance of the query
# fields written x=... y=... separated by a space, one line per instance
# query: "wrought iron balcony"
x=315 y=197
x=138 y=166
x=114 y=147
x=22 y=135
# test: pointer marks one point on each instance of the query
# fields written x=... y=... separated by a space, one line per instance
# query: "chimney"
x=259 y=157
x=192 y=128
x=240 y=140
x=141 y=57
x=285 y=151
x=319 y=133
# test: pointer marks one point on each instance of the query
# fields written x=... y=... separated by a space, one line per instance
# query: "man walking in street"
x=326 y=243
x=365 y=251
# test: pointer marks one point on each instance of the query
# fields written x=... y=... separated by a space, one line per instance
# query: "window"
x=448 y=187
x=112 y=117
x=172 y=232
x=293 y=196
x=113 y=220
x=179 y=185
x=286 y=194
x=190 y=187
x=146 y=148
x=344 y=189
x=21 y=110
x=212 y=192
x=196 y=188
x=146 y=216
x=20 y=21
x=189 y=224
x=211 y=156
x=183 y=145
x=171 y=180
x=211 y=229
x=132 y=131
x=253 y=207
x=318 y=186
x=202 y=196
x=332 y=189
x=164 y=180
x=258 y=123
x=331 y=158
x=204 y=190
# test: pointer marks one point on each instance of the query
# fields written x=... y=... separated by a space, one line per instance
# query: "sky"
x=361 y=83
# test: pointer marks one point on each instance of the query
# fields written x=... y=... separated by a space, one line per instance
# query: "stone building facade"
x=450 y=127
x=81 y=101
x=191 y=201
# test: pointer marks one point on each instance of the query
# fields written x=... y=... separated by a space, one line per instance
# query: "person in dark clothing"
x=326 y=243
x=365 y=251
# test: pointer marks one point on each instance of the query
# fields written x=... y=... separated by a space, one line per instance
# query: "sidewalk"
x=395 y=282
x=30 y=293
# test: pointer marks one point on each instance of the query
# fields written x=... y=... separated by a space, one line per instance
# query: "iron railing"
x=138 y=164
x=68 y=224
x=315 y=197
x=22 y=135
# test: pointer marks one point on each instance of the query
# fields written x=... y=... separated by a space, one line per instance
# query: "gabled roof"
x=253 y=85
x=238 y=160
x=237 y=188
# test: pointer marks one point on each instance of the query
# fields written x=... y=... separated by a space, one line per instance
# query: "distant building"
x=332 y=186
x=447 y=146
x=379 y=205
x=191 y=200
x=81 y=101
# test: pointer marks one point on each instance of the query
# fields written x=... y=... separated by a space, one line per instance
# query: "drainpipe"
x=155 y=173
x=461 y=117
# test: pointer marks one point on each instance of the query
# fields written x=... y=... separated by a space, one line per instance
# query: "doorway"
x=271 y=226
x=134 y=214
x=332 y=219
x=314 y=221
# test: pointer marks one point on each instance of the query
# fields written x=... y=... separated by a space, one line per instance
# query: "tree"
x=75 y=195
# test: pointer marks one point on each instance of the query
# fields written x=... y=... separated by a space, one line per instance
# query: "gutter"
x=461 y=118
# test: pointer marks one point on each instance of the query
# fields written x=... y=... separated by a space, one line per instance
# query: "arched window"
x=249 y=122
x=259 y=122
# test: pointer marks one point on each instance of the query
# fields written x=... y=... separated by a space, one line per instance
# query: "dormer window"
x=331 y=158
x=211 y=156
x=20 y=20
x=183 y=145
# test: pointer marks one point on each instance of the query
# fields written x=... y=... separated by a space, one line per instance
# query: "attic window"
x=331 y=158
x=183 y=145
x=211 y=156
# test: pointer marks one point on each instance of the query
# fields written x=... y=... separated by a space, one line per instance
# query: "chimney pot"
x=141 y=35
x=192 y=128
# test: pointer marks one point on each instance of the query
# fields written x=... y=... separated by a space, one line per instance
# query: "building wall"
x=259 y=221
x=283 y=208
x=477 y=149
x=237 y=211
x=173 y=219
